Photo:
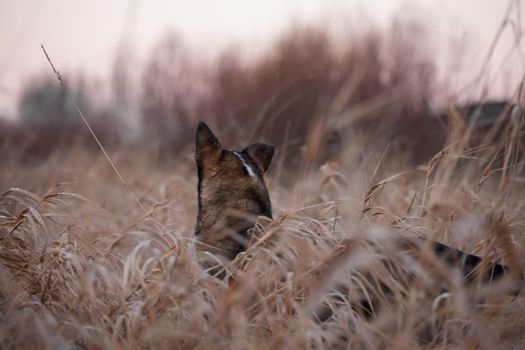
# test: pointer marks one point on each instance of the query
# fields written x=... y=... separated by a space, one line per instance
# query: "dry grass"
x=83 y=266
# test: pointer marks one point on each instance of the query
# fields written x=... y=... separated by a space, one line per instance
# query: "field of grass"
x=88 y=262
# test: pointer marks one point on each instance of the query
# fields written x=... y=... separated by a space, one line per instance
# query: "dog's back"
x=232 y=194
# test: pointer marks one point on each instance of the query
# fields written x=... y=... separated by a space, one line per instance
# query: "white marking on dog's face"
x=248 y=168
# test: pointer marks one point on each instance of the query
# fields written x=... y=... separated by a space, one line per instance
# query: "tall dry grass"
x=83 y=266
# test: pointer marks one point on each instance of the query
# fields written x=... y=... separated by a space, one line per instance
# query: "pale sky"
x=83 y=35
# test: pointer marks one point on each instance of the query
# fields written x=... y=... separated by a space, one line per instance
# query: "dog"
x=232 y=194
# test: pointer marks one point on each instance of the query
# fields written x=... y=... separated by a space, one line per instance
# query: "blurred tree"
x=172 y=89
x=377 y=84
x=47 y=104
x=408 y=61
x=125 y=110
x=289 y=85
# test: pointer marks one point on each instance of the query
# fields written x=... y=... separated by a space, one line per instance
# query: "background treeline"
x=306 y=85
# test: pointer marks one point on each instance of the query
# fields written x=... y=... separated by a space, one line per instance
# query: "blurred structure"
x=483 y=115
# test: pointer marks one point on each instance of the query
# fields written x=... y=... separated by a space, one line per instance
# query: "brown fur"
x=231 y=195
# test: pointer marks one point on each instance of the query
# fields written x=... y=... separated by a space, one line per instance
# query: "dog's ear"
x=260 y=154
x=207 y=146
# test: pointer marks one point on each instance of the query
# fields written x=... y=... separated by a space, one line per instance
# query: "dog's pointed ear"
x=260 y=154
x=207 y=146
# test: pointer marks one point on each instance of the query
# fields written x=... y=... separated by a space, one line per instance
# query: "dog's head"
x=231 y=192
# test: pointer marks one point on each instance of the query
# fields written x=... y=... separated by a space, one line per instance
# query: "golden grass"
x=83 y=266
